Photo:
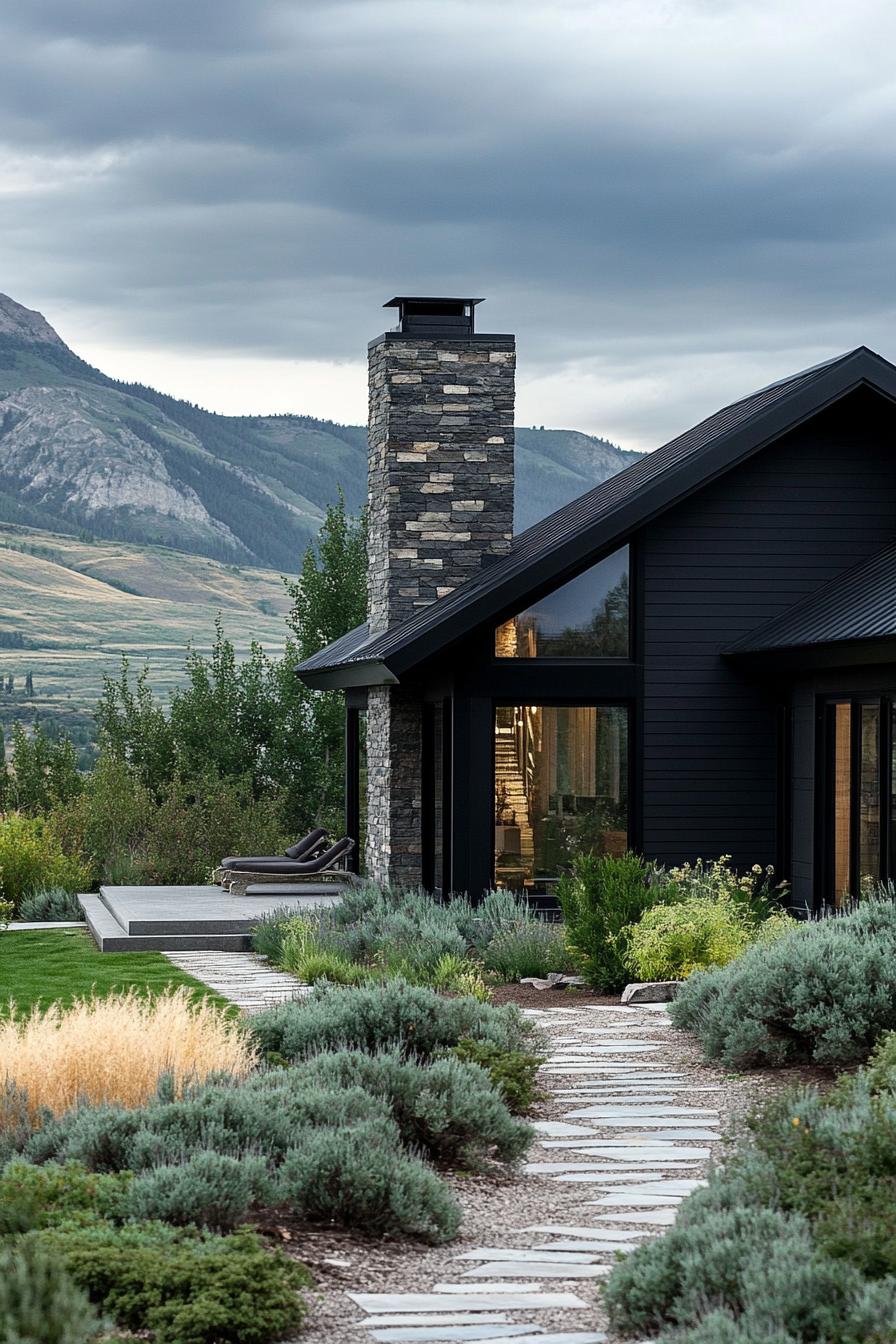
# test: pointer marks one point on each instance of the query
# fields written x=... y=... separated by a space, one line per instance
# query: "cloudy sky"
x=669 y=201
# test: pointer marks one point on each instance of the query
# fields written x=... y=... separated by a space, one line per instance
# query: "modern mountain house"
x=697 y=657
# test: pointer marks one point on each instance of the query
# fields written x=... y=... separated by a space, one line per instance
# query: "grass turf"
x=42 y=966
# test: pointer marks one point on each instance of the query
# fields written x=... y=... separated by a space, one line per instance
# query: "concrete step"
x=182 y=912
x=111 y=937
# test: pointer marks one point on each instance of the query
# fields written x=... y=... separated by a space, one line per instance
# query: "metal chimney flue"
x=433 y=318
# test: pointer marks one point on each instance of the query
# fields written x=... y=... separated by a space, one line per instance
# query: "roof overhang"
x=817 y=657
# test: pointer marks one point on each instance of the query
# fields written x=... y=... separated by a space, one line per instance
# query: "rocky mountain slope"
x=82 y=452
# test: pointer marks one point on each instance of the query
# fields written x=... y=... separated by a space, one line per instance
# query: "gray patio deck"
x=187 y=919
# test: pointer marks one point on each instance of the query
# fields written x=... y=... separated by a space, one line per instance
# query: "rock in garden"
x=553 y=981
x=651 y=991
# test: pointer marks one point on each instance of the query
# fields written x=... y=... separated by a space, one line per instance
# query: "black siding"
x=721 y=564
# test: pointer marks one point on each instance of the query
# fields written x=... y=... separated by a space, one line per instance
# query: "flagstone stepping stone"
x=472 y=1297
x=455 y=1332
x=516 y=1256
x=611 y=1048
x=671 y=1186
x=607 y=1173
x=677 y=1135
x=596 y=1247
x=630 y=1200
x=603 y=1111
x=556 y=1128
x=522 y=1269
x=564 y=1230
x=439 y=1318
x=655 y=1217
x=643 y=1164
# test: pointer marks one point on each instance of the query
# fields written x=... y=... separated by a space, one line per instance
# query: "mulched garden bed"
x=527 y=996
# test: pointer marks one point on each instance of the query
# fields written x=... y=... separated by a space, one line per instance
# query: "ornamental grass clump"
x=115 y=1049
x=824 y=992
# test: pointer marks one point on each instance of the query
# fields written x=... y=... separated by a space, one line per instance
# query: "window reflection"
x=561 y=789
x=585 y=618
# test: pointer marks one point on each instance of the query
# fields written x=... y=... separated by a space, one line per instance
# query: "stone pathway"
x=244 y=978
x=634 y=1131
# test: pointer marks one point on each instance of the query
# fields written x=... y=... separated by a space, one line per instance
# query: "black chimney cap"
x=434 y=316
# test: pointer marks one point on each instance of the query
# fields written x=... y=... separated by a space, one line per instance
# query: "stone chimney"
x=440 y=499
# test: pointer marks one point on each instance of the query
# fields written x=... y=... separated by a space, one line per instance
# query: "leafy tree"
x=44 y=770
x=330 y=597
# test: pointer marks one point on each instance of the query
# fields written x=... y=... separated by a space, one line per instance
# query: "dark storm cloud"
x=647 y=190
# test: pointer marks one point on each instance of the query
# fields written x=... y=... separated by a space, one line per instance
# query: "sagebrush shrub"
x=183 y=1287
x=39 y=1303
x=209 y=1189
x=381 y=1017
x=531 y=947
x=824 y=992
x=116 y=1048
x=671 y=942
x=357 y=1177
x=50 y=903
x=447 y=1109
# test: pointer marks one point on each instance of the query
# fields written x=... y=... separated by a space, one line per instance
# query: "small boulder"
x=554 y=981
x=651 y=991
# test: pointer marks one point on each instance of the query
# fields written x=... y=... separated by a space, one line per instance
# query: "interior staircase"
x=509 y=774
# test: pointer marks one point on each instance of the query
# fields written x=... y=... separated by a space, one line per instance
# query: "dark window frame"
x=824 y=801
x=537 y=594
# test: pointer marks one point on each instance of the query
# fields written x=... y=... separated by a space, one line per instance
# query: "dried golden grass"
x=116 y=1048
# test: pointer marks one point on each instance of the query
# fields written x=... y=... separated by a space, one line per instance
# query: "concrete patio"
x=189 y=919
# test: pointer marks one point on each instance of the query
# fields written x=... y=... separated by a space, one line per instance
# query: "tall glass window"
x=842 y=800
x=869 y=798
x=586 y=618
x=561 y=789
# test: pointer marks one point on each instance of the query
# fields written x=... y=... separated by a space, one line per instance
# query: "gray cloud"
x=664 y=199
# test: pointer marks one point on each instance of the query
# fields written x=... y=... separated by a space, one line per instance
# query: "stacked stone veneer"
x=440 y=496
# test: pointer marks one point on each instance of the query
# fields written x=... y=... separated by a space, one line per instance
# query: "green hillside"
x=71 y=608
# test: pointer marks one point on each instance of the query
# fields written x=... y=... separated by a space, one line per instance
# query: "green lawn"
x=42 y=965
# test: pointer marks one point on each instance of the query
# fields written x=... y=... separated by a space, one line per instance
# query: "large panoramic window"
x=586 y=618
x=561 y=789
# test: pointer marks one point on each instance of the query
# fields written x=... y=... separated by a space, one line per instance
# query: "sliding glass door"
x=856 y=772
x=561 y=789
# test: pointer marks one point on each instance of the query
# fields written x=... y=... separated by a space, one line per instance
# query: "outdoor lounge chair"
x=306 y=848
x=326 y=867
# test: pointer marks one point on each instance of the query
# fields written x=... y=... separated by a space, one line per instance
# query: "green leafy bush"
x=446 y=1109
x=670 y=942
x=7 y=910
x=34 y=1197
x=270 y=932
x=512 y=1072
x=209 y=1189
x=51 y=903
x=531 y=947
x=32 y=859
x=823 y=992
x=182 y=1287
x=356 y=1176
x=303 y=953
x=375 y=1017
x=601 y=899
x=39 y=1303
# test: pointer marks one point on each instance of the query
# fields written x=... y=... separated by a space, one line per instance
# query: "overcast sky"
x=670 y=202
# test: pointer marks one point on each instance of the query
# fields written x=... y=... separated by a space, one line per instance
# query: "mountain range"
x=83 y=453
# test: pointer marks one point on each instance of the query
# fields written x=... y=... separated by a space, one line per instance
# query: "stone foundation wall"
x=394 y=786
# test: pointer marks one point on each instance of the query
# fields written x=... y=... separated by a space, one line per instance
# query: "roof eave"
x=835 y=653
x=349 y=675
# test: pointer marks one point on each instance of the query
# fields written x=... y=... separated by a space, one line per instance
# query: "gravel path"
x=627 y=1128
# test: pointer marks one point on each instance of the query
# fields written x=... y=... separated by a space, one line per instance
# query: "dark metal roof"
x=602 y=518
x=859 y=605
